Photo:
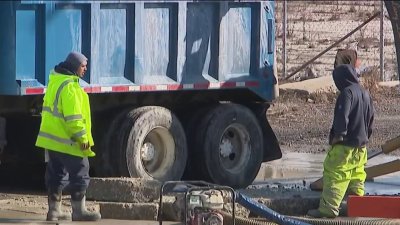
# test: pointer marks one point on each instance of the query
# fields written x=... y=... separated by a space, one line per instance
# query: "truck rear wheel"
x=152 y=144
x=191 y=123
x=107 y=155
x=230 y=146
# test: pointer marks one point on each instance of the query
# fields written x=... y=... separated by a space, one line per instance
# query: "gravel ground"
x=302 y=123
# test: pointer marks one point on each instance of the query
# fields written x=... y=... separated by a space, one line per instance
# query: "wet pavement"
x=306 y=168
x=14 y=217
x=304 y=165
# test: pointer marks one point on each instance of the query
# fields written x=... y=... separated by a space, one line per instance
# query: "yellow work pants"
x=343 y=170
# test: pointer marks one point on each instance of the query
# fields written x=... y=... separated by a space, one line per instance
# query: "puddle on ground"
x=296 y=167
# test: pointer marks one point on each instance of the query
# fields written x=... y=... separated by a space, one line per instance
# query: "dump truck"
x=178 y=89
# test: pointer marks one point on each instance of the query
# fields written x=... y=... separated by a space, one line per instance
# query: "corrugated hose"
x=276 y=218
x=313 y=221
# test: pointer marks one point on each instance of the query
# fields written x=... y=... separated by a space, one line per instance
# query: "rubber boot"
x=55 y=213
x=79 y=212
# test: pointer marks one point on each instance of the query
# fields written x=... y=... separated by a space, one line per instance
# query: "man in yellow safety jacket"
x=65 y=132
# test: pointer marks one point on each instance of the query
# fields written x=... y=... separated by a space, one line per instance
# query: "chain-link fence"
x=313 y=27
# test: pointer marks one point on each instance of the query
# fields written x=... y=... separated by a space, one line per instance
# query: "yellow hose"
x=243 y=221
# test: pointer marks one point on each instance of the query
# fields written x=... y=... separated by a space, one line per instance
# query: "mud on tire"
x=152 y=144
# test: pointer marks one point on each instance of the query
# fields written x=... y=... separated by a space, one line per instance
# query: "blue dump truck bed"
x=137 y=46
x=178 y=89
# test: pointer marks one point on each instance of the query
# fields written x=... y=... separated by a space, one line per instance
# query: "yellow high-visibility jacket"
x=66 y=120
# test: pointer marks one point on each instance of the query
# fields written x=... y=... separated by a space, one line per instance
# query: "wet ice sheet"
x=304 y=165
x=295 y=171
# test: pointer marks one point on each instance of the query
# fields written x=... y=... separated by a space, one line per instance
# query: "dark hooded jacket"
x=345 y=56
x=354 y=112
x=64 y=68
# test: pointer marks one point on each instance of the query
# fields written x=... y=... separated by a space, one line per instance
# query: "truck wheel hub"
x=235 y=149
x=147 y=151
x=158 y=151
x=226 y=148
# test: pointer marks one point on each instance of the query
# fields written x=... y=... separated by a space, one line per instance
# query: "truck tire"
x=152 y=144
x=110 y=156
x=229 y=146
x=191 y=123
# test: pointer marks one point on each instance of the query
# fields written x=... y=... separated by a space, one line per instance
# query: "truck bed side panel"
x=140 y=46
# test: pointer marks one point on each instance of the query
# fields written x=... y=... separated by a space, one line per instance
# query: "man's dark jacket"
x=354 y=112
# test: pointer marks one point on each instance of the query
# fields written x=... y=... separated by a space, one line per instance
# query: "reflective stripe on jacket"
x=66 y=121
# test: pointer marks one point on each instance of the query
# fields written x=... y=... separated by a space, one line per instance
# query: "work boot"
x=79 y=211
x=55 y=213
x=343 y=209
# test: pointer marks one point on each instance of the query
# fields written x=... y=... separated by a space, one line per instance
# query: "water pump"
x=204 y=206
x=203 y=203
